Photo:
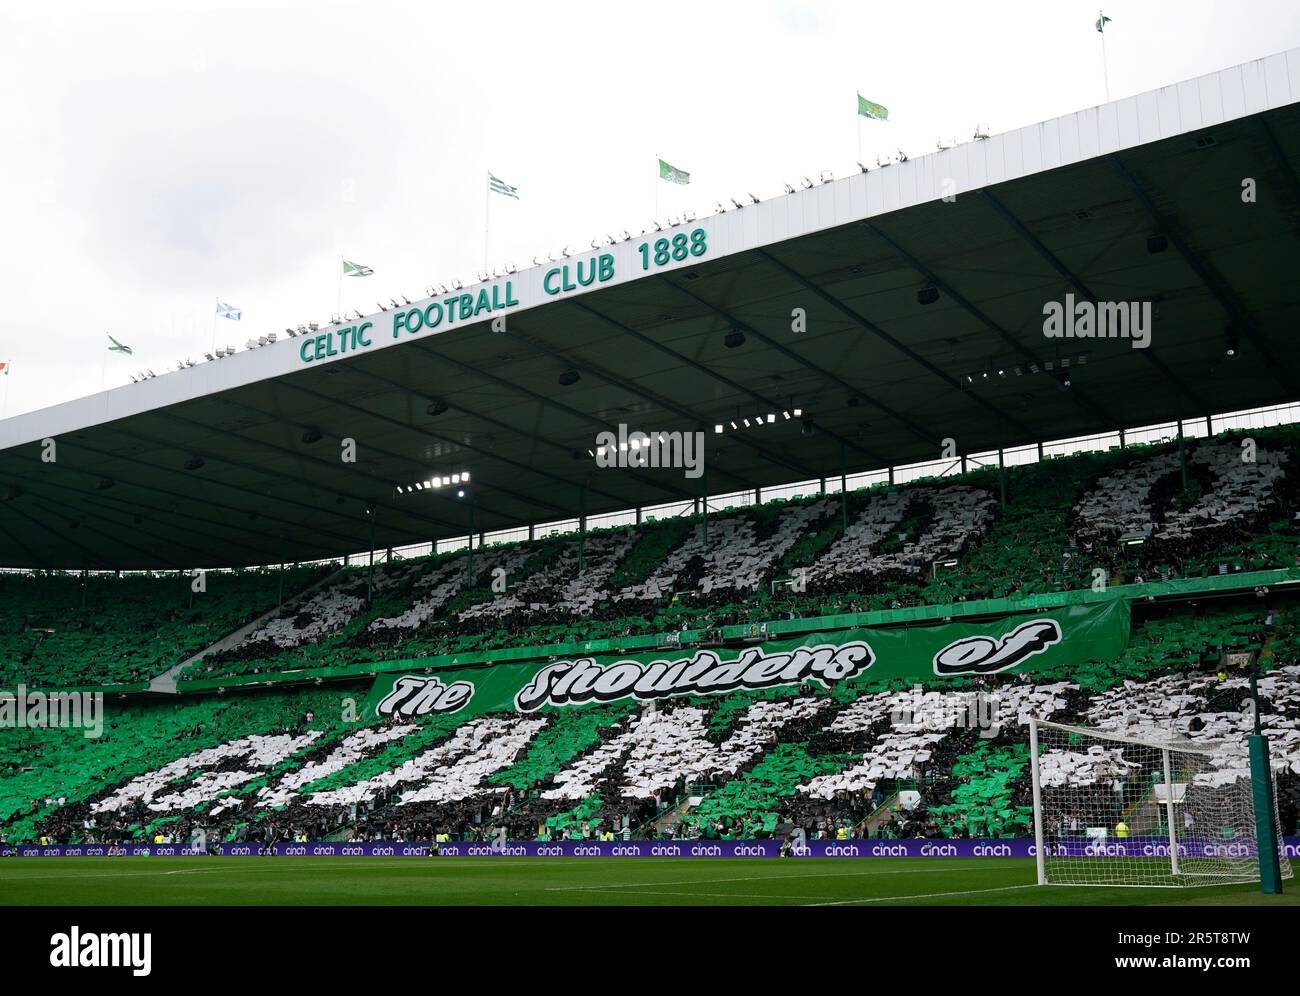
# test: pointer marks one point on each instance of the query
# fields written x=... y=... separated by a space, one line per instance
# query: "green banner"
x=914 y=654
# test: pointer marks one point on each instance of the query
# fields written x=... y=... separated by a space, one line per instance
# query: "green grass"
x=571 y=882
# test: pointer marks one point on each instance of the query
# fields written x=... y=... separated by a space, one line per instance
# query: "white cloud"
x=161 y=155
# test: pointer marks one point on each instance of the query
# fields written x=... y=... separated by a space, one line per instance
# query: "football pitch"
x=136 y=881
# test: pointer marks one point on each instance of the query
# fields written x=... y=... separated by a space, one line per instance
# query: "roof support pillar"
x=1002 y=470
x=582 y=526
x=370 y=570
x=1182 y=450
x=844 y=493
x=704 y=503
x=469 y=561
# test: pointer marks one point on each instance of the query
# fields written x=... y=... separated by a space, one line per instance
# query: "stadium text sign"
x=624 y=261
x=914 y=654
x=583 y=680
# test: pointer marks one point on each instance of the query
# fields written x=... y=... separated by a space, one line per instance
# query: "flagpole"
x=338 y=308
x=656 y=182
x=215 y=302
x=103 y=365
x=1105 y=70
x=487 y=215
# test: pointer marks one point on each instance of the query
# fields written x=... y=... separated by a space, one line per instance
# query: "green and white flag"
x=501 y=187
x=672 y=174
x=117 y=347
x=1102 y=21
x=356 y=269
x=870 y=109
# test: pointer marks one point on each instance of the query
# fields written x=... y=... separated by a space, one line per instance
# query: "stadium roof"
x=1067 y=206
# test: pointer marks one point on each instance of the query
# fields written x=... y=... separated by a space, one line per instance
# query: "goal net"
x=1142 y=809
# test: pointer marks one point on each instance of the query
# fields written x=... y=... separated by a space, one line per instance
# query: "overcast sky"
x=160 y=155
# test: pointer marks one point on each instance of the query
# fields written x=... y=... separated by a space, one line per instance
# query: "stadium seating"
x=853 y=758
x=925 y=543
x=270 y=763
x=62 y=630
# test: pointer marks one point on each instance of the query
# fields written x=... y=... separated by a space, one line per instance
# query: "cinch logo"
x=1106 y=850
x=666 y=851
x=842 y=851
x=1162 y=850
x=90 y=950
x=552 y=851
x=1229 y=850
x=940 y=851
x=988 y=851
x=750 y=851
x=384 y=852
x=626 y=851
x=240 y=851
x=586 y=851
x=324 y=849
x=706 y=851
x=889 y=850
x=295 y=849
x=354 y=851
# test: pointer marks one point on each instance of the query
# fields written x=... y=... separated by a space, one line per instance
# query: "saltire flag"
x=870 y=109
x=1102 y=21
x=501 y=187
x=118 y=347
x=229 y=311
x=672 y=174
x=356 y=270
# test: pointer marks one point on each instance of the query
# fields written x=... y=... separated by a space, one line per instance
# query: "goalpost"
x=1145 y=809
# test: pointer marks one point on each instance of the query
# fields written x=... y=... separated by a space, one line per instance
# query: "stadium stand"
x=660 y=576
x=862 y=757
x=64 y=630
